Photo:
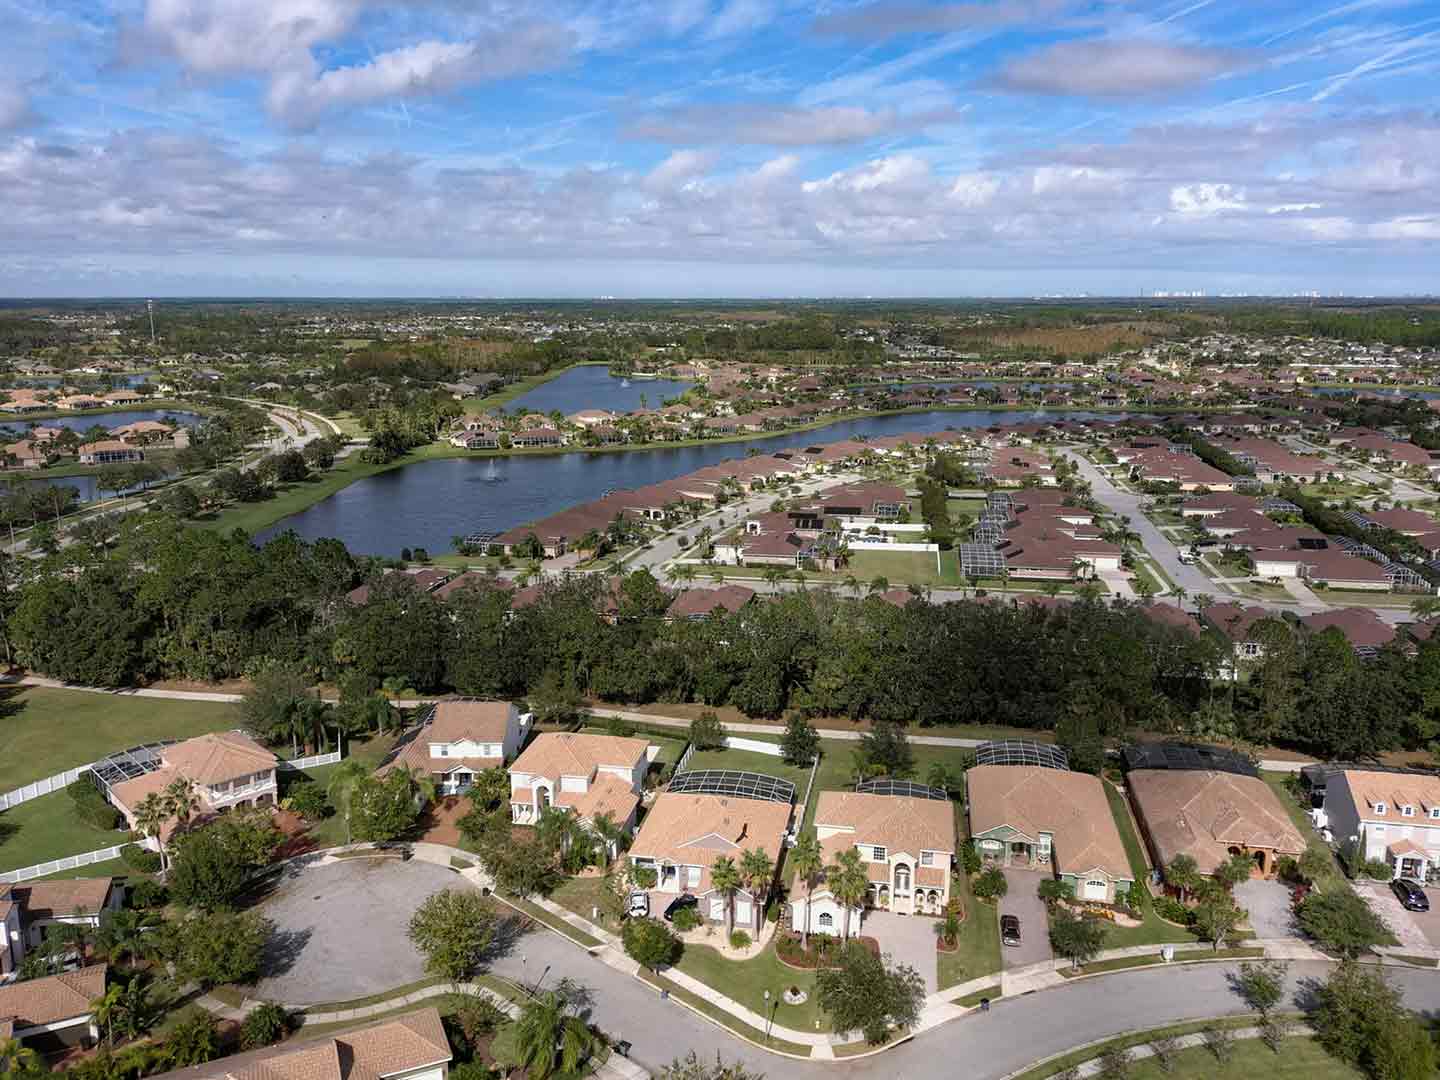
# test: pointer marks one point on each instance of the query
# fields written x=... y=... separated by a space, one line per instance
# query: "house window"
x=1379 y=830
x=877 y=854
x=1407 y=811
x=827 y=921
x=1435 y=812
x=1379 y=808
x=444 y=751
x=927 y=858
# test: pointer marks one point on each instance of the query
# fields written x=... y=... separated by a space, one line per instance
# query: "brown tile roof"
x=696 y=602
x=1071 y=806
x=53 y=998
x=1361 y=626
x=211 y=759
x=553 y=754
x=606 y=794
x=455 y=721
x=1235 y=621
x=1203 y=814
x=896 y=822
x=389 y=1047
x=51 y=899
x=696 y=830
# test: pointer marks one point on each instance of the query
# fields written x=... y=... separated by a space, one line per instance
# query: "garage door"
x=1095 y=890
x=742 y=912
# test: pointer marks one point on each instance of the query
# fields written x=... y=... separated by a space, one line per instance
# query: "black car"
x=1010 y=929
x=680 y=902
x=1411 y=896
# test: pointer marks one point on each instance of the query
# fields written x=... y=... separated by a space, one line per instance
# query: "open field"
x=44 y=731
x=906 y=567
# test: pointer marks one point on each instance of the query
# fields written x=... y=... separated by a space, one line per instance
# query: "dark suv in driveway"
x=683 y=901
x=1410 y=895
x=1010 y=929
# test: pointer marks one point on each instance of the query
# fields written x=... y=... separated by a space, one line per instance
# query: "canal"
x=429 y=503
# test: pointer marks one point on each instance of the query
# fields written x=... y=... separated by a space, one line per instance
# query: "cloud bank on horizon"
x=718 y=147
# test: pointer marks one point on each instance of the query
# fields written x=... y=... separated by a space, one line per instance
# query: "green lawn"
x=44 y=731
x=720 y=1016
x=979 y=951
x=746 y=982
x=1154 y=930
x=582 y=896
x=48 y=828
x=108 y=868
x=750 y=761
x=1302 y=1059
x=903 y=568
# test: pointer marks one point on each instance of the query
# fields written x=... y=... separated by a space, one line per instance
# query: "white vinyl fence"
x=759 y=746
x=71 y=862
x=309 y=762
x=41 y=787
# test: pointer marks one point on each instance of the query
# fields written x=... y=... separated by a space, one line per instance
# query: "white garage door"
x=742 y=912
x=1094 y=890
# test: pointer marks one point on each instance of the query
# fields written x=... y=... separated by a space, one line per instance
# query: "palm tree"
x=422 y=784
x=124 y=934
x=849 y=884
x=878 y=584
x=135 y=1012
x=151 y=816
x=725 y=879
x=717 y=577
x=1202 y=601
x=17 y=1060
x=853 y=584
x=550 y=1038
x=809 y=863
x=774 y=575
x=612 y=835
x=341 y=789
x=938 y=776
x=1180 y=594
x=104 y=1009
x=181 y=801
x=758 y=870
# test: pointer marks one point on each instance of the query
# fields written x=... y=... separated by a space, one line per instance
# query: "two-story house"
x=29 y=912
x=1391 y=816
x=906 y=844
x=227 y=770
x=458 y=739
x=588 y=775
x=684 y=833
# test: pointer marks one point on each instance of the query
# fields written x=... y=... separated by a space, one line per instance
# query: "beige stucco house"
x=459 y=739
x=587 y=774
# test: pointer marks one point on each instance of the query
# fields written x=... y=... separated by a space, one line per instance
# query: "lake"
x=1389 y=391
x=86 y=485
x=110 y=420
x=591 y=386
x=431 y=502
x=133 y=379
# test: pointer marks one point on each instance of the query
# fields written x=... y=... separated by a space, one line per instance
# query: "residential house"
x=906 y=843
x=29 y=912
x=109 y=452
x=52 y=1014
x=1390 y=816
x=458 y=739
x=1051 y=820
x=25 y=454
x=227 y=770
x=1212 y=816
x=1363 y=629
x=683 y=834
x=1236 y=623
x=411 y=1046
x=587 y=774
x=698 y=603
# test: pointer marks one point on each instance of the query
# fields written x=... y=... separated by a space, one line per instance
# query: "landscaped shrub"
x=308 y=800
x=1167 y=907
x=1376 y=870
x=969 y=857
x=140 y=860
x=739 y=939
x=686 y=919
x=90 y=805
x=146 y=893
x=643 y=877
x=619 y=727
x=991 y=884
x=263 y=1025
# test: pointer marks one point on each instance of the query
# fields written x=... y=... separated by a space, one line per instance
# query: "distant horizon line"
x=728 y=299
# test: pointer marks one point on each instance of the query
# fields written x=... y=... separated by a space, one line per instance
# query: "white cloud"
x=679 y=169
x=887 y=172
x=766 y=125
x=1206 y=198
x=1294 y=208
x=1111 y=67
x=1075 y=179
x=1416 y=227
x=974 y=189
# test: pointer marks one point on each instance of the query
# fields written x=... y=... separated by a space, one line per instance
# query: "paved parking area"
x=1269 y=905
x=1021 y=900
x=341 y=930
x=1409 y=926
x=909 y=939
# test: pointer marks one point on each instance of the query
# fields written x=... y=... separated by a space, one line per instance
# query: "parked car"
x=682 y=901
x=637 y=904
x=1010 y=929
x=1411 y=896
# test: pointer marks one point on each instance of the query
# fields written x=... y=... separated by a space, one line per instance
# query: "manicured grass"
x=48 y=828
x=720 y=1016
x=376 y=999
x=582 y=895
x=45 y=731
x=1123 y=962
x=749 y=761
x=1154 y=930
x=108 y=868
x=746 y=981
x=1334 y=876
x=903 y=568
x=978 y=951
x=969 y=1001
x=540 y=915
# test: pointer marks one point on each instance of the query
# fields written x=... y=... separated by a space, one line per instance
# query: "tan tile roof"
x=1203 y=814
x=605 y=795
x=895 y=822
x=555 y=754
x=1394 y=790
x=698 y=829
x=387 y=1048
x=46 y=899
x=1071 y=806
x=211 y=759
x=53 y=998
x=482 y=721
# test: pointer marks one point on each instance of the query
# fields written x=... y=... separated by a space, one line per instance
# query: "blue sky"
x=718 y=147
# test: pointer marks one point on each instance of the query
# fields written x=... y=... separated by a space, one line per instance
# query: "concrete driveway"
x=1269 y=905
x=1409 y=926
x=1022 y=901
x=909 y=939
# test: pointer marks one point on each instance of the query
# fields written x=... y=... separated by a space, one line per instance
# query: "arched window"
x=827 y=921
